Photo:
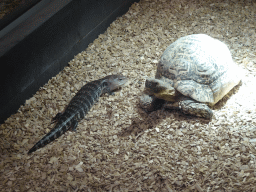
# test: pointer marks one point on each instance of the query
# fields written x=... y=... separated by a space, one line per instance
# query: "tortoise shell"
x=200 y=67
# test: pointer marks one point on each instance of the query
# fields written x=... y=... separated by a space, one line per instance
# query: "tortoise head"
x=160 y=89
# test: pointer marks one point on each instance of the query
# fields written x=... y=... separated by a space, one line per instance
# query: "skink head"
x=115 y=81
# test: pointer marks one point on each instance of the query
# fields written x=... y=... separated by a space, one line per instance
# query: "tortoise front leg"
x=191 y=107
x=150 y=103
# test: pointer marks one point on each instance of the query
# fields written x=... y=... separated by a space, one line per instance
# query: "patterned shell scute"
x=195 y=64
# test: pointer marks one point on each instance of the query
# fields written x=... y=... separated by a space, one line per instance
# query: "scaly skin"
x=79 y=106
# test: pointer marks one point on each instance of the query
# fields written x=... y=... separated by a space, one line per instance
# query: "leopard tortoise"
x=194 y=72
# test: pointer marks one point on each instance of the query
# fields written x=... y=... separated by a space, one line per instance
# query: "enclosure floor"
x=121 y=148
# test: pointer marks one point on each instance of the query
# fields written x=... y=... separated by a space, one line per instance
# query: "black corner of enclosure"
x=39 y=38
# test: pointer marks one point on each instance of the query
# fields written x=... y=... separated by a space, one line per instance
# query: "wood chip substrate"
x=119 y=147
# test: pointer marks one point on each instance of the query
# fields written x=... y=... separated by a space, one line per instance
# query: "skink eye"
x=105 y=84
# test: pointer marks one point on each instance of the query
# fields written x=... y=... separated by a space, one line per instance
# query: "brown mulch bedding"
x=121 y=148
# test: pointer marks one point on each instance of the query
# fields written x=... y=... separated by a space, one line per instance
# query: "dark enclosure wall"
x=41 y=42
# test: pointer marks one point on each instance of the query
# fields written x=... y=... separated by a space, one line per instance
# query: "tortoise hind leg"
x=192 y=107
